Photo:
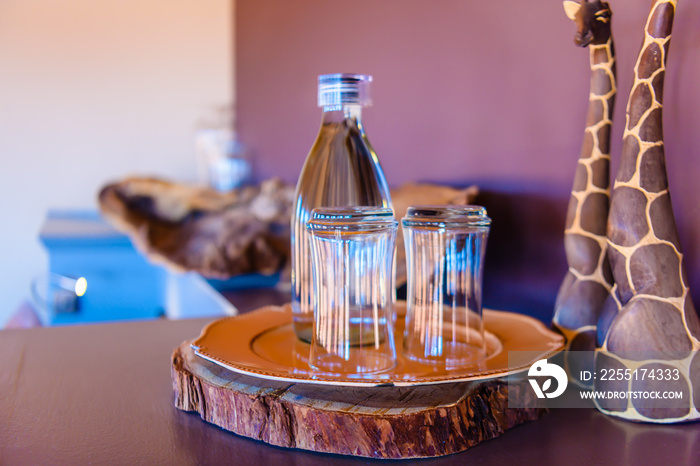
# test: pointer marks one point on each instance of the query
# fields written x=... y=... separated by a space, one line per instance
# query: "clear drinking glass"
x=445 y=248
x=352 y=250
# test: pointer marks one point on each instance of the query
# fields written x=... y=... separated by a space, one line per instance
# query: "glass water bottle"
x=341 y=169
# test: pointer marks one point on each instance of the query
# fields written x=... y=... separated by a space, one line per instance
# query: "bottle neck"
x=340 y=113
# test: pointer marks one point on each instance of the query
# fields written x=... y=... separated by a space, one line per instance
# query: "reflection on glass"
x=353 y=254
x=445 y=248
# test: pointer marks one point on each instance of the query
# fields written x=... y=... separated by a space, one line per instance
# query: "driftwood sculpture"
x=221 y=235
x=657 y=327
x=588 y=281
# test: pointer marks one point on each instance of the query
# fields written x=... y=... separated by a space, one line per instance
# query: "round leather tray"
x=262 y=343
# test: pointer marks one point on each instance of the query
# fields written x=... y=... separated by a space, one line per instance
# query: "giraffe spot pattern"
x=651 y=324
x=667 y=45
x=661 y=408
x=603 y=361
x=652 y=170
x=604 y=137
x=618 y=263
x=628 y=161
x=650 y=61
x=607 y=271
x=580 y=178
x=651 y=131
x=584 y=341
x=627 y=224
x=571 y=212
x=596 y=111
x=648 y=329
x=600 y=55
x=601 y=84
x=587 y=146
x=654 y=269
x=692 y=321
x=684 y=276
x=580 y=304
x=639 y=103
x=592 y=206
x=661 y=21
x=600 y=170
x=663 y=229
x=583 y=253
x=658 y=84
x=608 y=311
x=695 y=379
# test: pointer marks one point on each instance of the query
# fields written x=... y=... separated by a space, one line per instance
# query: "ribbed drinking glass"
x=353 y=255
x=445 y=248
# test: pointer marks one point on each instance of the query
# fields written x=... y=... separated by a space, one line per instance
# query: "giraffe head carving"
x=592 y=20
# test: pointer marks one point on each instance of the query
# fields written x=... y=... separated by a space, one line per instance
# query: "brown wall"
x=490 y=92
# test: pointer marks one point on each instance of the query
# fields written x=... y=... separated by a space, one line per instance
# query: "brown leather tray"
x=262 y=343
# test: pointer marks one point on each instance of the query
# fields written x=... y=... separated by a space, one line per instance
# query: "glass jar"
x=223 y=160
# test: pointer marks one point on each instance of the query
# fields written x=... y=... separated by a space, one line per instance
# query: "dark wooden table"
x=102 y=394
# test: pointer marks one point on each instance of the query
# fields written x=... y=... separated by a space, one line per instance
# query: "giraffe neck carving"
x=645 y=251
x=655 y=319
x=588 y=281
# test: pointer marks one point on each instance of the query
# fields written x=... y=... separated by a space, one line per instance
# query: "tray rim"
x=378 y=381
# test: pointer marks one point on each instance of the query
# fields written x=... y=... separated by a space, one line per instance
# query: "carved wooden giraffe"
x=587 y=283
x=657 y=326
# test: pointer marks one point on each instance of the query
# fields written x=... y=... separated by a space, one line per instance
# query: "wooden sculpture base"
x=376 y=422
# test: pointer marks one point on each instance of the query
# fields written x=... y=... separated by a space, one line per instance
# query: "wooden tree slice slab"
x=376 y=422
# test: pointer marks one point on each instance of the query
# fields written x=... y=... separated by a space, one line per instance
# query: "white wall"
x=91 y=91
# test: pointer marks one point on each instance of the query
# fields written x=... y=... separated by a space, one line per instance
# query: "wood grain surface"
x=377 y=422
